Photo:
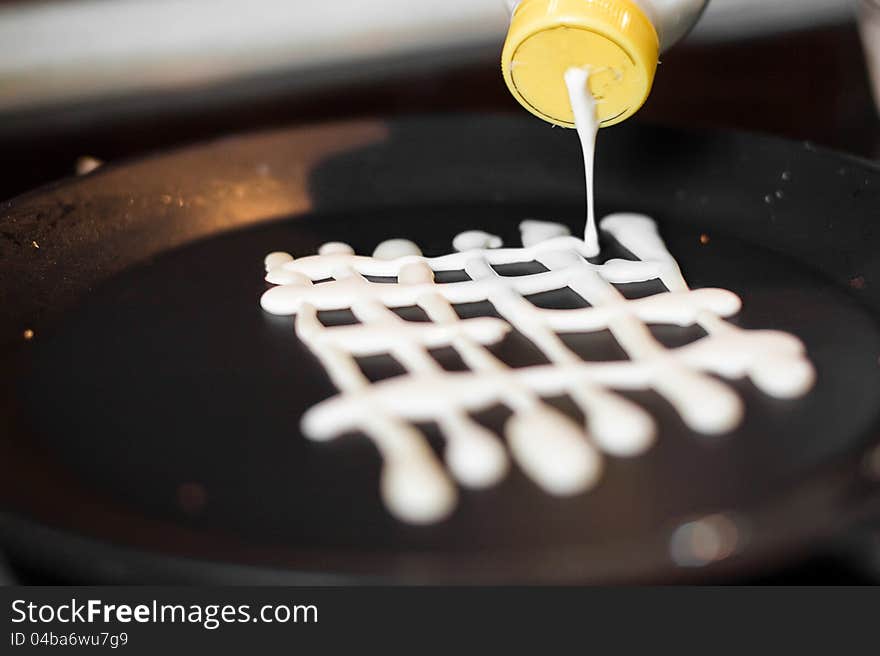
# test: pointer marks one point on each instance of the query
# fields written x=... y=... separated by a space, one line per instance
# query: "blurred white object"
x=56 y=50
x=869 y=26
x=61 y=50
x=734 y=19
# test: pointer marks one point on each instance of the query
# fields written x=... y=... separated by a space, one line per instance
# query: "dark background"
x=811 y=85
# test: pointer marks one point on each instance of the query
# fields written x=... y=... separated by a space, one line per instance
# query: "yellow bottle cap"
x=613 y=38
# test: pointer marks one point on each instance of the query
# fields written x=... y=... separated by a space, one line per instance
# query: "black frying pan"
x=147 y=438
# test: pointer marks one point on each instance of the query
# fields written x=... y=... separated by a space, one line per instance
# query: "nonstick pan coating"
x=150 y=424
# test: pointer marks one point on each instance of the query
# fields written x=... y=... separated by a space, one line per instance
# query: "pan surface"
x=150 y=422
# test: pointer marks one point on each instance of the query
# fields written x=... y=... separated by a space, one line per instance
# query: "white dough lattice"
x=560 y=455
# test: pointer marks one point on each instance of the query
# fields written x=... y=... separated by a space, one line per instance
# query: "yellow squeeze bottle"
x=618 y=40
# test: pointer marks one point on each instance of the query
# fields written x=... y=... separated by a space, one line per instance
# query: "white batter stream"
x=560 y=455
